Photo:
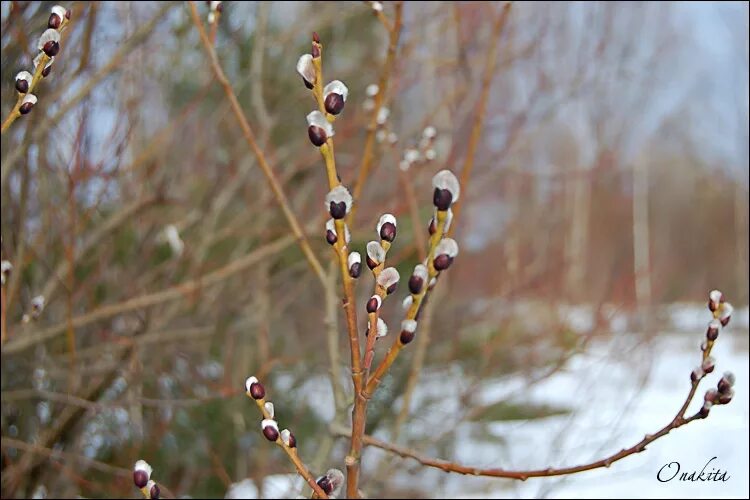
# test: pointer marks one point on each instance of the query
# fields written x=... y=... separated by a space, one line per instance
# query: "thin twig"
x=23 y=342
x=481 y=110
x=522 y=475
x=61 y=455
x=446 y=466
x=291 y=452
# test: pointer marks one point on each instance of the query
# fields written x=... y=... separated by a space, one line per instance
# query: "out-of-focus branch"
x=96 y=237
x=87 y=36
x=260 y=157
x=481 y=109
x=64 y=456
x=385 y=75
x=151 y=299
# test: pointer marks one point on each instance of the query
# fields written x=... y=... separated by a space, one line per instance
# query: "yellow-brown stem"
x=353 y=459
x=349 y=306
x=327 y=151
x=15 y=112
x=342 y=251
x=302 y=470
x=341 y=248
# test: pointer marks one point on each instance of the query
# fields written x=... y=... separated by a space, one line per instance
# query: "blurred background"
x=609 y=194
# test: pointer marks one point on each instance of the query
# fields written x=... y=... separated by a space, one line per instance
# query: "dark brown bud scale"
x=371 y=263
x=331 y=237
x=308 y=84
x=712 y=333
x=67 y=14
x=442 y=262
x=725 y=321
x=392 y=288
x=271 y=433
x=406 y=336
x=415 y=284
x=703 y=412
x=708 y=367
x=25 y=108
x=257 y=391
x=315 y=51
x=22 y=86
x=355 y=270
x=155 y=491
x=695 y=376
x=710 y=396
x=140 y=478
x=334 y=103
x=325 y=485
x=292 y=441
x=51 y=48
x=317 y=135
x=373 y=305
x=388 y=231
x=315 y=37
x=46 y=71
x=338 y=210
x=712 y=305
x=725 y=398
x=54 y=21
x=442 y=199
x=724 y=386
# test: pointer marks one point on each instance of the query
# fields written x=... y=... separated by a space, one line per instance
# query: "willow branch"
x=342 y=252
x=291 y=452
x=522 y=475
x=677 y=421
x=374 y=380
